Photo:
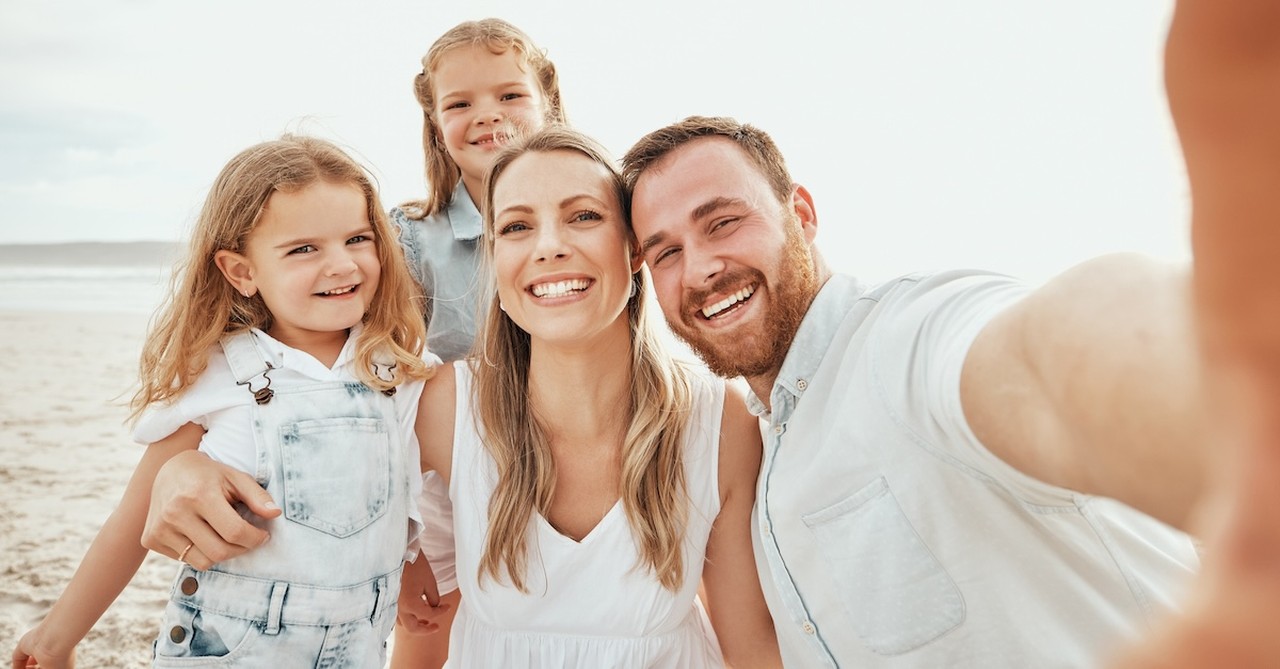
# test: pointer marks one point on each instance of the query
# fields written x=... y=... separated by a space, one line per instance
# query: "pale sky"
x=1003 y=134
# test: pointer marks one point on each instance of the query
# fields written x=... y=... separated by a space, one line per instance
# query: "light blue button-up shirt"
x=443 y=252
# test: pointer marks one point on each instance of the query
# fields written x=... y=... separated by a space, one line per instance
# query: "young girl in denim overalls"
x=290 y=349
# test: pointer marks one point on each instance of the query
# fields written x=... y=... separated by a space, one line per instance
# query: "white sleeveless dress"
x=588 y=605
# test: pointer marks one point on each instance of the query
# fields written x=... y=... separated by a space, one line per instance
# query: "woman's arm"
x=730 y=582
x=108 y=566
x=422 y=609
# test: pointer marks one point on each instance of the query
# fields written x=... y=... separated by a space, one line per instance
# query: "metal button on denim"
x=190 y=585
x=177 y=634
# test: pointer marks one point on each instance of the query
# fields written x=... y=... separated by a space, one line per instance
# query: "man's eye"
x=664 y=254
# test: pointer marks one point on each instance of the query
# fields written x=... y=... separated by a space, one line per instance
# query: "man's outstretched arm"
x=1223 y=78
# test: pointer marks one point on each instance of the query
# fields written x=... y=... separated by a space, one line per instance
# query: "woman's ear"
x=238 y=271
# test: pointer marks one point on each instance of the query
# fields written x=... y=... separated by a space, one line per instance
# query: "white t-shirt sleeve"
x=214 y=398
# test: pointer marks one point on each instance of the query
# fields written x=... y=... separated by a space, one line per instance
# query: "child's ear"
x=238 y=271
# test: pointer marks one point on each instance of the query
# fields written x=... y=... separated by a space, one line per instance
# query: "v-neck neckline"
x=590 y=535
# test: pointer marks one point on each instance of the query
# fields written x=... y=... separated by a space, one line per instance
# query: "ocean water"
x=107 y=289
x=125 y=277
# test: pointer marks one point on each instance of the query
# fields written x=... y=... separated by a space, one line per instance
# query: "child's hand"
x=419 y=603
x=32 y=651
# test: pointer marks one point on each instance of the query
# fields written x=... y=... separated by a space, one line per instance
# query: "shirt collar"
x=813 y=338
x=281 y=355
x=464 y=217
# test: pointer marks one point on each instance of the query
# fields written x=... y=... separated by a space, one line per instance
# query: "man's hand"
x=191 y=516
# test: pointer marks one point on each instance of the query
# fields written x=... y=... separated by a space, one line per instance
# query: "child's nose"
x=341 y=263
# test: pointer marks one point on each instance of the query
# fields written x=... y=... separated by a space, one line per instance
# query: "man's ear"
x=637 y=258
x=802 y=205
x=238 y=271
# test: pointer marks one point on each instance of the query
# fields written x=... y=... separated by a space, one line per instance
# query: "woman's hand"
x=191 y=516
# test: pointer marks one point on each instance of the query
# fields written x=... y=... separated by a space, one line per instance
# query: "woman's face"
x=561 y=251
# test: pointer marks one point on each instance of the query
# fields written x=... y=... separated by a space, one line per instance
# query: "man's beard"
x=760 y=350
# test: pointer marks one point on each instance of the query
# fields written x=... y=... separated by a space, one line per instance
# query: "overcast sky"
x=1015 y=135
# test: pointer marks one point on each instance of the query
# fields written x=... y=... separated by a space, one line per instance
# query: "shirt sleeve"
x=931 y=321
x=215 y=403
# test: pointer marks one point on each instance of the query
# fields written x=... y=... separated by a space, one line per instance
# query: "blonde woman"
x=595 y=481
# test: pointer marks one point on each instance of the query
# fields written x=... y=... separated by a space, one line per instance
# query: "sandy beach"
x=67 y=456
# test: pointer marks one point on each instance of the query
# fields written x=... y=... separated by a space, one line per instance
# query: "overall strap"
x=249 y=364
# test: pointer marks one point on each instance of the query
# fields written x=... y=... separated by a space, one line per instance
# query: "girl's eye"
x=585 y=216
x=360 y=238
x=512 y=96
x=306 y=248
x=460 y=104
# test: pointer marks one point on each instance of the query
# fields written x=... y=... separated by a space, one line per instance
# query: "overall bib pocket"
x=337 y=473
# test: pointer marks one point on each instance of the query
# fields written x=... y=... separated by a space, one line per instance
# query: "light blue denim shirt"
x=443 y=251
x=886 y=535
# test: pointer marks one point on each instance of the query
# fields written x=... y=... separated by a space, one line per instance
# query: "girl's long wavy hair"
x=202 y=305
x=653 y=488
x=497 y=36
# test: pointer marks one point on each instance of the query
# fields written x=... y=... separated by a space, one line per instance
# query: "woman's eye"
x=587 y=215
x=512 y=227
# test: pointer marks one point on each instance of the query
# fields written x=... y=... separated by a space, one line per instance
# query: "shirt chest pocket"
x=337 y=473
x=896 y=593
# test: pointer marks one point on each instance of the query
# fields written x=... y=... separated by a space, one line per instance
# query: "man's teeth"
x=339 y=291
x=560 y=288
x=727 y=302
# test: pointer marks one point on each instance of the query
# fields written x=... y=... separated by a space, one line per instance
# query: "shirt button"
x=807 y=627
x=802 y=384
x=190 y=585
x=777 y=429
x=177 y=634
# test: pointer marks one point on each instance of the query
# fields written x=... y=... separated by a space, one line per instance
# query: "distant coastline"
x=85 y=254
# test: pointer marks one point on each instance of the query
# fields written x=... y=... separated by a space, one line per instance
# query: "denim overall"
x=322 y=591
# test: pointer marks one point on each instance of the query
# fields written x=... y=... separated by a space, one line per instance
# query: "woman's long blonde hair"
x=202 y=305
x=497 y=36
x=653 y=488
